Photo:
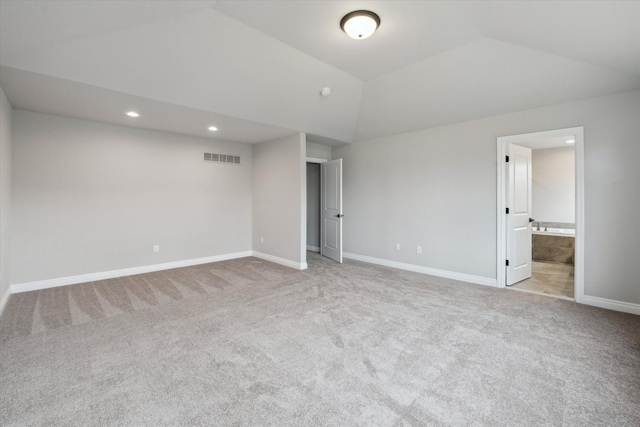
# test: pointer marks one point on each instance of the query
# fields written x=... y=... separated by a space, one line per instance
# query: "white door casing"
x=331 y=206
x=519 y=205
x=503 y=143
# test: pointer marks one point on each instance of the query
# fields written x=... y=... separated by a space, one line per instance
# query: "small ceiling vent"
x=222 y=158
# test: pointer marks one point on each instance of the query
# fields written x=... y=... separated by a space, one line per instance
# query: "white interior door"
x=331 y=207
x=518 y=218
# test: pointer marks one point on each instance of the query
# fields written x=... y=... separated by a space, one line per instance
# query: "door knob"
x=340 y=216
x=531 y=219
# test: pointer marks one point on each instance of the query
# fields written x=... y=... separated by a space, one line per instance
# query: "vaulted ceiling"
x=255 y=68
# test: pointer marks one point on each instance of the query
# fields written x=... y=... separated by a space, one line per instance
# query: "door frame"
x=318 y=161
x=502 y=142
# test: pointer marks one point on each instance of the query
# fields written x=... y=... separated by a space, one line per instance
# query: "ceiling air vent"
x=222 y=158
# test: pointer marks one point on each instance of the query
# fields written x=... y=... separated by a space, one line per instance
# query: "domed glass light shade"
x=360 y=24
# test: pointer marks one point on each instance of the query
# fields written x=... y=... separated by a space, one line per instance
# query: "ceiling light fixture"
x=360 y=24
x=213 y=128
x=133 y=114
x=570 y=141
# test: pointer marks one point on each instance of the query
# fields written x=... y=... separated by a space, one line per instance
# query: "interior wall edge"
x=4 y=299
x=6 y=195
x=282 y=261
x=279 y=198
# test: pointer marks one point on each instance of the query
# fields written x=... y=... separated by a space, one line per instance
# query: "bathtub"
x=554 y=245
x=552 y=231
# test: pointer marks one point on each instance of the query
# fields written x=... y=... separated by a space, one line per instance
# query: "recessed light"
x=570 y=141
x=133 y=114
x=213 y=128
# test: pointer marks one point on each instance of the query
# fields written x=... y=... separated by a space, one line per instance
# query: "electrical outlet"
x=397 y=246
x=156 y=248
x=261 y=239
x=419 y=249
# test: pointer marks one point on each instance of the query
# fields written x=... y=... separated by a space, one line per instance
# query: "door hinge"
x=507 y=211
x=507 y=263
x=506 y=159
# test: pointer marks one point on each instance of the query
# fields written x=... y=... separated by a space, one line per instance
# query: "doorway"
x=555 y=249
x=324 y=207
x=313 y=206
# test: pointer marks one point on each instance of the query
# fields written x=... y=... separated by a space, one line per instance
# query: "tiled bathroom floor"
x=549 y=278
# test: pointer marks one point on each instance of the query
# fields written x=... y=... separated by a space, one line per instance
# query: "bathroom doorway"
x=553 y=225
x=541 y=252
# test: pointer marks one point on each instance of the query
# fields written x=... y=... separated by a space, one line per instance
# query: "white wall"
x=554 y=184
x=5 y=196
x=318 y=151
x=279 y=199
x=437 y=188
x=313 y=204
x=91 y=197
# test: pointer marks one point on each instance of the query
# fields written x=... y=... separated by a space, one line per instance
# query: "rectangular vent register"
x=222 y=158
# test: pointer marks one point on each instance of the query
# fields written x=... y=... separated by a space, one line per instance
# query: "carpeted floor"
x=247 y=342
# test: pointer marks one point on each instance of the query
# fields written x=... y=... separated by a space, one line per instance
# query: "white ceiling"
x=45 y=94
x=258 y=66
x=36 y=24
x=409 y=31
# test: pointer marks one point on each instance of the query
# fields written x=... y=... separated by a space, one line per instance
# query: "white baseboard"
x=486 y=281
x=313 y=248
x=91 y=277
x=3 y=300
x=281 y=261
x=625 y=307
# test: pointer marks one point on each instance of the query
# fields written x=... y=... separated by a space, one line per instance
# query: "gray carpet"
x=247 y=342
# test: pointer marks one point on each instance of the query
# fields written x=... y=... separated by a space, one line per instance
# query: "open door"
x=519 y=214
x=331 y=210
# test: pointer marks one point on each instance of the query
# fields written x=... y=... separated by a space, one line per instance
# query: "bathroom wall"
x=554 y=185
